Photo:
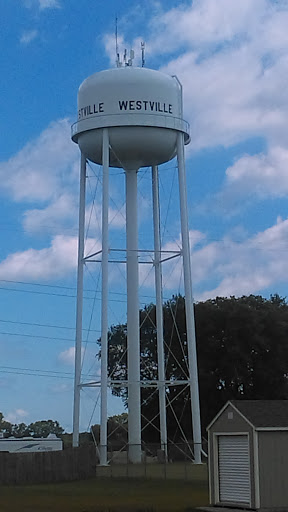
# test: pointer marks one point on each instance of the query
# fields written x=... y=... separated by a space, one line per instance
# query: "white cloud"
x=46 y=170
x=116 y=218
x=233 y=93
x=205 y=22
x=68 y=356
x=220 y=96
x=232 y=58
x=28 y=36
x=48 y=4
x=233 y=61
x=109 y=43
x=263 y=174
x=16 y=416
x=252 y=178
x=244 y=267
x=234 y=267
x=56 y=261
x=61 y=388
x=60 y=213
x=41 y=4
x=172 y=269
x=42 y=167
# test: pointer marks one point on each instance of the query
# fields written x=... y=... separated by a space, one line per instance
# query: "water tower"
x=131 y=117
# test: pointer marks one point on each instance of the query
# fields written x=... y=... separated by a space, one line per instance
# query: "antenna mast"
x=118 y=63
x=143 y=53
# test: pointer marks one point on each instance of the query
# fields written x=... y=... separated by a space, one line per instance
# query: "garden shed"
x=248 y=455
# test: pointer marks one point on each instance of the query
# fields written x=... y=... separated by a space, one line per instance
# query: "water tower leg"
x=133 y=338
x=79 y=307
x=159 y=310
x=190 y=321
x=104 y=297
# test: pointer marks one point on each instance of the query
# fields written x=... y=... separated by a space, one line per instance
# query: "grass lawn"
x=105 y=495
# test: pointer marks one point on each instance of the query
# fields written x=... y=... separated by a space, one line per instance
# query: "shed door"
x=234 y=469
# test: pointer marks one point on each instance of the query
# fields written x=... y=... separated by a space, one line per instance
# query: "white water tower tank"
x=130 y=118
x=142 y=109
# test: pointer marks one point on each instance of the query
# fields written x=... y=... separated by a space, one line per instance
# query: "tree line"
x=40 y=428
x=242 y=346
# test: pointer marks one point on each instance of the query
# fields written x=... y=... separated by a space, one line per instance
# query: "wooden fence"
x=81 y=463
x=28 y=468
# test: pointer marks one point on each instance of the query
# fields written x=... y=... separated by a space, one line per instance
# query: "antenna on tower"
x=130 y=61
x=143 y=53
x=118 y=63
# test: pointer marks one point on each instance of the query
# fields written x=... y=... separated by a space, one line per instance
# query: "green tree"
x=242 y=353
x=5 y=426
x=175 y=359
x=21 y=430
x=45 y=427
x=120 y=419
x=242 y=350
x=117 y=430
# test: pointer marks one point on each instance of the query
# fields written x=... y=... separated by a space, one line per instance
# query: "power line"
x=41 y=373
x=51 y=294
x=35 y=370
x=38 y=284
x=71 y=340
x=35 y=375
x=38 y=293
x=69 y=295
x=88 y=290
x=46 y=325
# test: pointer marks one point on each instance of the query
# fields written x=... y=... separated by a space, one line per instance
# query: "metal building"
x=248 y=463
x=51 y=443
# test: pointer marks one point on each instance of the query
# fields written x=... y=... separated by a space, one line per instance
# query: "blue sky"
x=232 y=59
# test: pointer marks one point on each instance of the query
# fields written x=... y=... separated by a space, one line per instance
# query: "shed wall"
x=273 y=468
x=229 y=422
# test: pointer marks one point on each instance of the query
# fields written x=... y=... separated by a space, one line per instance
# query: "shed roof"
x=261 y=414
x=264 y=413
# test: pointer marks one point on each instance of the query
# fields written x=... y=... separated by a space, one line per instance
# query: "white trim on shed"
x=256 y=469
x=221 y=412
